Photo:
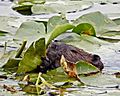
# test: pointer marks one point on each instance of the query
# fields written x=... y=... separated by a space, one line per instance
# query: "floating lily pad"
x=83 y=67
x=54 y=21
x=31 y=1
x=60 y=7
x=97 y=20
x=30 y=31
x=32 y=57
x=85 y=42
x=59 y=29
x=101 y=80
x=85 y=28
x=117 y=21
x=12 y=64
x=6 y=26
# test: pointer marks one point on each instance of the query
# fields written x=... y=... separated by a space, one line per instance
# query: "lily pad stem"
x=21 y=49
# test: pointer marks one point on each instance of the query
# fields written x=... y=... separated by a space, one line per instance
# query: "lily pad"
x=12 y=64
x=5 y=57
x=85 y=28
x=86 y=42
x=30 y=31
x=5 y=37
x=117 y=21
x=98 y=20
x=6 y=25
x=42 y=9
x=31 y=89
x=2 y=33
x=24 y=6
x=101 y=80
x=32 y=57
x=59 y=29
x=23 y=9
x=32 y=1
x=83 y=67
x=60 y=7
x=54 y=21
x=57 y=75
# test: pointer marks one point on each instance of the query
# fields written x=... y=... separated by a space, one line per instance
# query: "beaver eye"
x=74 y=51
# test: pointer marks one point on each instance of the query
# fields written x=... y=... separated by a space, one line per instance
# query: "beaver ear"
x=95 y=58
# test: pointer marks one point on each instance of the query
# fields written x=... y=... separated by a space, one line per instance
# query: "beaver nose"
x=97 y=62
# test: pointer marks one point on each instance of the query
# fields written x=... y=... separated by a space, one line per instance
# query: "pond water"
x=110 y=54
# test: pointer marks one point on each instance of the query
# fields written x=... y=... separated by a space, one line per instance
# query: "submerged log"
x=71 y=53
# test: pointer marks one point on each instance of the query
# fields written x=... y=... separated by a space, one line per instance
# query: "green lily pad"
x=85 y=28
x=2 y=33
x=24 y=6
x=54 y=21
x=23 y=9
x=57 y=75
x=5 y=37
x=12 y=64
x=6 y=26
x=5 y=57
x=60 y=7
x=42 y=9
x=117 y=21
x=86 y=42
x=83 y=67
x=113 y=35
x=101 y=80
x=98 y=20
x=31 y=1
x=32 y=57
x=59 y=29
x=30 y=31
x=32 y=89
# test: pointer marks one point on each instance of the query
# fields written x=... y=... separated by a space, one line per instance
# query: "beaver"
x=73 y=54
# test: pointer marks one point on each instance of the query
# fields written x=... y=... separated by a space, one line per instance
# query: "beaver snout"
x=96 y=61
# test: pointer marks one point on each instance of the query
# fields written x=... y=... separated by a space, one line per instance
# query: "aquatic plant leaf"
x=60 y=7
x=59 y=29
x=31 y=1
x=5 y=37
x=113 y=33
x=6 y=26
x=83 y=67
x=32 y=57
x=23 y=9
x=30 y=31
x=54 y=21
x=97 y=20
x=2 y=33
x=117 y=21
x=101 y=80
x=31 y=89
x=69 y=68
x=57 y=75
x=41 y=9
x=84 y=28
x=24 y=6
x=12 y=64
x=86 y=42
